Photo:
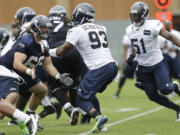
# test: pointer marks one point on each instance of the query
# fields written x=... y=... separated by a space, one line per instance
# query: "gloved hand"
x=130 y=60
x=64 y=78
x=44 y=46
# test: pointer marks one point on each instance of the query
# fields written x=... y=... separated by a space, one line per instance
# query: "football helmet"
x=139 y=12
x=4 y=37
x=24 y=14
x=57 y=10
x=83 y=13
x=40 y=26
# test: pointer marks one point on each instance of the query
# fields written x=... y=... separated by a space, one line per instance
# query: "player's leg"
x=59 y=92
x=165 y=86
x=11 y=98
x=95 y=81
x=163 y=81
x=128 y=72
x=8 y=91
x=10 y=111
x=39 y=91
x=48 y=107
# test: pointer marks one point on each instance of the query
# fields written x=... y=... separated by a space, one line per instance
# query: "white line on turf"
x=130 y=118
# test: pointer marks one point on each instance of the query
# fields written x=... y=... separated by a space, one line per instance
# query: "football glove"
x=64 y=78
x=130 y=60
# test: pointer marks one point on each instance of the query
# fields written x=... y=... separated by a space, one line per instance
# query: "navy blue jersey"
x=58 y=32
x=72 y=61
x=27 y=45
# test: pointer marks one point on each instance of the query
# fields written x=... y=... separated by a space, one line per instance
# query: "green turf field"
x=146 y=118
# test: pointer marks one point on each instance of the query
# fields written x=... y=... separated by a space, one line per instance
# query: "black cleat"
x=2 y=133
x=32 y=125
x=85 y=119
x=47 y=110
x=12 y=122
x=73 y=115
x=58 y=107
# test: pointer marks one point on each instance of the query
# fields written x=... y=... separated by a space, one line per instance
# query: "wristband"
x=52 y=52
x=28 y=71
x=57 y=76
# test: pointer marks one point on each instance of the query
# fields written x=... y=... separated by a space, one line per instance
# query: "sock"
x=95 y=114
x=122 y=81
x=67 y=105
x=46 y=102
x=21 y=116
x=29 y=111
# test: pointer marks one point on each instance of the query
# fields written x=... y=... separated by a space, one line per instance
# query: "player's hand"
x=130 y=60
x=44 y=46
x=64 y=78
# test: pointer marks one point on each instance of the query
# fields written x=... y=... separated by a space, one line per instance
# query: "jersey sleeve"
x=20 y=47
x=73 y=35
x=157 y=26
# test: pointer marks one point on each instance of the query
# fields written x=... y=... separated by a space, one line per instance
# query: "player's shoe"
x=116 y=96
x=100 y=121
x=12 y=122
x=2 y=133
x=85 y=119
x=58 y=107
x=23 y=127
x=73 y=115
x=47 y=110
x=32 y=124
x=178 y=116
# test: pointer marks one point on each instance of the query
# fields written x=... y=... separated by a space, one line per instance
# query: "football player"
x=29 y=51
x=4 y=38
x=170 y=52
x=128 y=71
x=152 y=74
x=91 y=41
x=71 y=63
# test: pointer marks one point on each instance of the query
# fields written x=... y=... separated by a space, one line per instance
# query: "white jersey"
x=171 y=48
x=91 y=41
x=126 y=42
x=144 y=41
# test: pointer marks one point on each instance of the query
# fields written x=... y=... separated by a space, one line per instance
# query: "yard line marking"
x=130 y=118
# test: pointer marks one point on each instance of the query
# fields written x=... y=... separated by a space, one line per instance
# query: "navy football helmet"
x=139 y=12
x=24 y=15
x=57 y=10
x=4 y=37
x=40 y=26
x=83 y=13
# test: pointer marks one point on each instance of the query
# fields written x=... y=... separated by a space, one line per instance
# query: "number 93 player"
x=91 y=41
x=152 y=74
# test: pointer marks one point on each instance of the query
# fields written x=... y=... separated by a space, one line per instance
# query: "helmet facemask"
x=137 y=18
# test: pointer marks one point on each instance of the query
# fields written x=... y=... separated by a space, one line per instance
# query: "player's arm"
x=125 y=53
x=52 y=71
x=18 y=65
x=170 y=36
x=61 y=50
x=48 y=66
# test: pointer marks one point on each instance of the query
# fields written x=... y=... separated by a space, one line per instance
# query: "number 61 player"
x=91 y=41
x=152 y=74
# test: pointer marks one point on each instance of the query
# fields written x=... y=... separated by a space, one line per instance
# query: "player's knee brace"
x=167 y=89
